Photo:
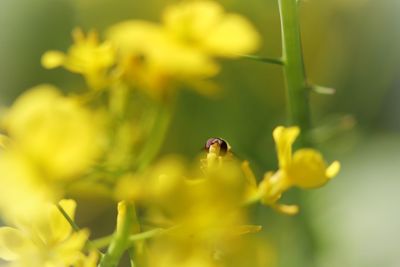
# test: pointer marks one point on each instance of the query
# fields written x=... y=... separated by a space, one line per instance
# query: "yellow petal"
x=204 y=24
x=69 y=251
x=233 y=36
x=284 y=139
x=192 y=21
x=333 y=169
x=69 y=205
x=181 y=61
x=286 y=209
x=308 y=169
x=134 y=36
x=22 y=190
x=249 y=175
x=12 y=243
x=251 y=182
x=207 y=88
x=53 y=59
x=272 y=187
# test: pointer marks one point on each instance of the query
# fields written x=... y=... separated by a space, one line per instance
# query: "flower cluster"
x=46 y=239
x=105 y=139
x=156 y=57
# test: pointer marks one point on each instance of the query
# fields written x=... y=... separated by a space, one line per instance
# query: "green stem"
x=295 y=76
x=136 y=259
x=146 y=235
x=298 y=104
x=120 y=241
x=75 y=227
x=275 y=61
x=102 y=241
x=71 y=222
x=155 y=138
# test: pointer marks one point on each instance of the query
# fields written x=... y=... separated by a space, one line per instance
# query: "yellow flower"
x=86 y=56
x=54 y=131
x=152 y=61
x=154 y=57
x=22 y=189
x=305 y=168
x=196 y=203
x=45 y=240
x=205 y=25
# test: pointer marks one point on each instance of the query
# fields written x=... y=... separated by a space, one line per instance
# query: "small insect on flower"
x=217 y=150
x=217 y=145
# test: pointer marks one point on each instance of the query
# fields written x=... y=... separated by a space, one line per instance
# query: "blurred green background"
x=350 y=45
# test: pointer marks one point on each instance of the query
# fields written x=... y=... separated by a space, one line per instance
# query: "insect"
x=218 y=151
x=217 y=145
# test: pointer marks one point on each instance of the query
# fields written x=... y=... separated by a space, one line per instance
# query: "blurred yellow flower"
x=204 y=25
x=154 y=57
x=181 y=257
x=22 y=189
x=54 y=131
x=206 y=212
x=45 y=240
x=86 y=56
x=152 y=61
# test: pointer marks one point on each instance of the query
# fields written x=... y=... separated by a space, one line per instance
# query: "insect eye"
x=223 y=145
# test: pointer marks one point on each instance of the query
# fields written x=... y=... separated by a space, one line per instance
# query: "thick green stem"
x=298 y=101
x=295 y=77
x=120 y=242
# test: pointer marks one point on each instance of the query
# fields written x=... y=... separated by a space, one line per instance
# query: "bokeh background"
x=350 y=45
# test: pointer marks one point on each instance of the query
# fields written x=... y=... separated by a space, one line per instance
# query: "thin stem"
x=295 y=76
x=120 y=240
x=135 y=258
x=275 y=61
x=71 y=222
x=104 y=241
x=155 y=138
x=146 y=235
x=75 y=227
